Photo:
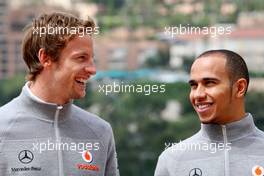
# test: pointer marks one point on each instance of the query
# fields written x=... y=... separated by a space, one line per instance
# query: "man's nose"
x=91 y=69
x=200 y=93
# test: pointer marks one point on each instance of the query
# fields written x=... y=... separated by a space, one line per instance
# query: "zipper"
x=226 y=160
x=58 y=139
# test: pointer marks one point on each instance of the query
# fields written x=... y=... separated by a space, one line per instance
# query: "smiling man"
x=228 y=143
x=41 y=131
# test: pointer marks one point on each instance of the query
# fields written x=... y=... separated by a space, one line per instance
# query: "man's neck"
x=235 y=117
x=45 y=92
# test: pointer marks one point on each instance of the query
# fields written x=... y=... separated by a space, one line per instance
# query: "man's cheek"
x=191 y=97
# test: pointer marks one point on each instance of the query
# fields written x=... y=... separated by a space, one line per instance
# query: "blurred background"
x=133 y=48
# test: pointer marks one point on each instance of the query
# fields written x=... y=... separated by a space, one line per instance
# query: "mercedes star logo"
x=25 y=156
x=195 y=172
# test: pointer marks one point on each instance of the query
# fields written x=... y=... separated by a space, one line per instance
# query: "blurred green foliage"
x=161 y=59
x=136 y=13
x=256 y=74
x=10 y=88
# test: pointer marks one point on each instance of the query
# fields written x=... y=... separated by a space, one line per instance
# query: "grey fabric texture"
x=38 y=138
x=208 y=154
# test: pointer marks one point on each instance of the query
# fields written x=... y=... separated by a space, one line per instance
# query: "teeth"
x=203 y=106
x=84 y=81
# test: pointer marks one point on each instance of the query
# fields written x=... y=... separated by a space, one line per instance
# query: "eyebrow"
x=204 y=79
x=191 y=81
x=82 y=53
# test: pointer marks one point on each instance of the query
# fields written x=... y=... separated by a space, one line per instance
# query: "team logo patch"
x=195 y=172
x=87 y=156
x=25 y=156
x=257 y=171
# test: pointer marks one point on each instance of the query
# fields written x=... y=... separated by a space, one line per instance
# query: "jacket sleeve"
x=111 y=163
x=161 y=169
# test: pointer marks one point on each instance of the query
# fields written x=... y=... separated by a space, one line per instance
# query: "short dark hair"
x=235 y=64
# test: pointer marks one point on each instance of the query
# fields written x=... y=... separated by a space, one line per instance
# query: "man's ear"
x=44 y=59
x=241 y=87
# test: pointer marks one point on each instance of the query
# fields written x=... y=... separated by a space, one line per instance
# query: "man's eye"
x=210 y=83
x=193 y=85
x=81 y=58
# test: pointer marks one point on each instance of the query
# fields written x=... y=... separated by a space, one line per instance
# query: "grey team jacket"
x=235 y=149
x=41 y=139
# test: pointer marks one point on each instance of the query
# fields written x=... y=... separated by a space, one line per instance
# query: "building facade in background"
x=124 y=48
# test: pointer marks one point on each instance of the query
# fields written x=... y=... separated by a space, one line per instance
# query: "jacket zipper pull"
x=59 y=107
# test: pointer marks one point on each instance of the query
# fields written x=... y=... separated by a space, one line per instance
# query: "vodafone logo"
x=87 y=156
x=257 y=171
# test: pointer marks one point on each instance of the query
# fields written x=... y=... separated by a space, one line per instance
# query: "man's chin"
x=206 y=119
x=79 y=95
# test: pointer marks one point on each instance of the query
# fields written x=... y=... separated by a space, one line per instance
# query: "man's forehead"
x=213 y=66
x=80 y=42
x=211 y=62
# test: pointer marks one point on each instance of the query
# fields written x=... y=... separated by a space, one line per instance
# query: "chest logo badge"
x=87 y=156
x=195 y=172
x=257 y=171
x=25 y=156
